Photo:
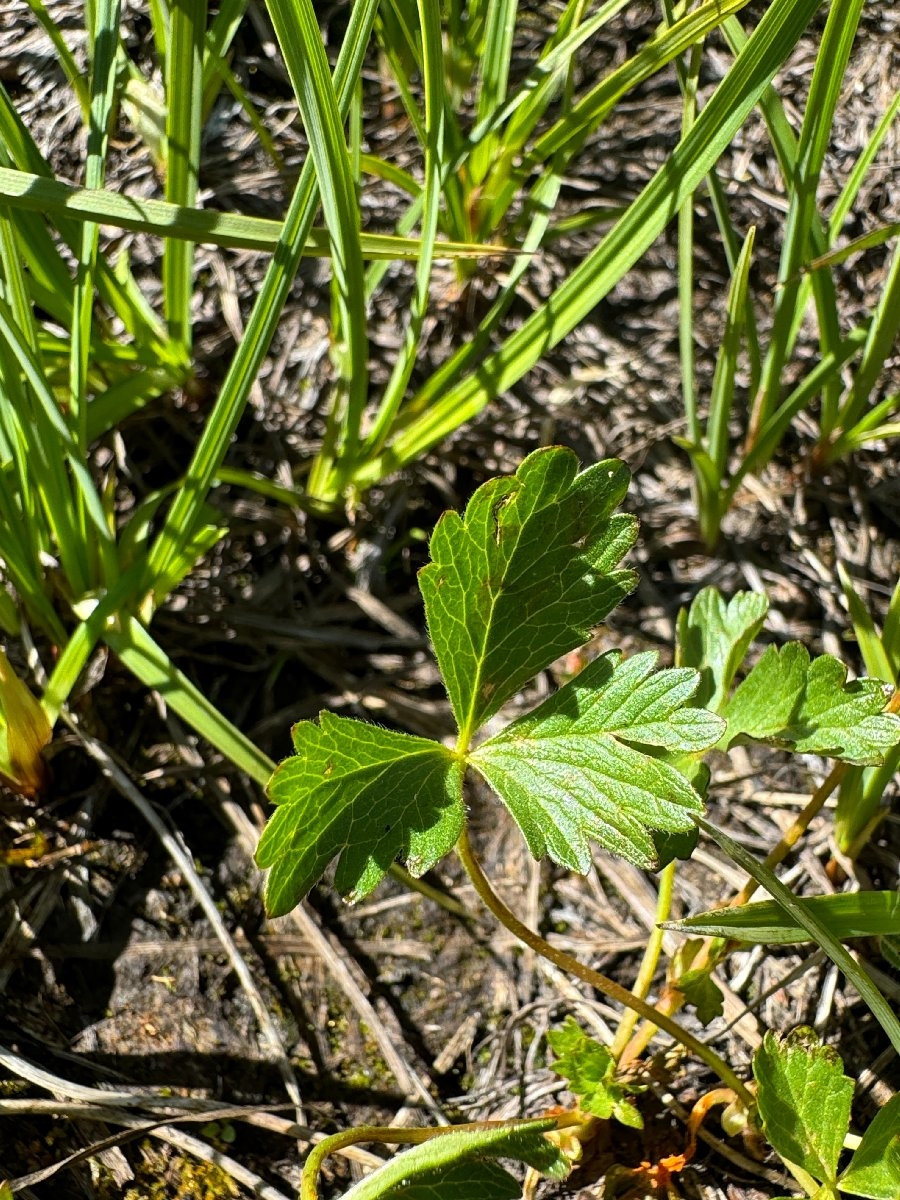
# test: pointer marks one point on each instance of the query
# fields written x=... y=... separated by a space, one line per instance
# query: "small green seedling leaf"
x=714 y=637
x=809 y=707
x=858 y=914
x=523 y=1141
x=874 y=1169
x=363 y=794
x=523 y=577
x=590 y=1071
x=804 y=1101
x=697 y=984
x=572 y=771
x=460 y=1181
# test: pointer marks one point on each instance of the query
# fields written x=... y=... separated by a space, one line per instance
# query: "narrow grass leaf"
x=493 y=78
x=219 y=37
x=689 y=79
x=882 y=336
x=297 y=30
x=235 y=390
x=803 y=221
x=435 y=104
x=71 y=69
x=874 y=655
x=542 y=202
x=105 y=39
x=726 y=364
x=890 y=636
x=768 y=47
x=765 y=441
x=569 y=133
x=184 y=93
x=856 y=915
x=866 y=241
x=33 y=193
x=528 y=102
x=50 y=444
x=798 y=910
x=861 y=168
x=152 y=666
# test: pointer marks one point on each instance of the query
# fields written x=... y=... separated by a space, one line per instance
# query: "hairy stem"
x=604 y=985
x=649 y=962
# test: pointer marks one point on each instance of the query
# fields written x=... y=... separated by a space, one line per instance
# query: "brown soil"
x=398 y=1011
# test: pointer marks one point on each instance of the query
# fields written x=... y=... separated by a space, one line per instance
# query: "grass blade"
x=890 y=636
x=493 y=80
x=799 y=912
x=876 y=660
x=152 y=666
x=184 y=92
x=851 y=188
x=802 y=228
x=879 y=344
x=773 y=431
x=645 y=218
x=33 y=193
x=64 y=54
x=105 y=39
x=726 y=365
x=186 y=511
x=297 y=30
x=219 y=37
x=569 y=133
x=435 y=100
x=848 y=915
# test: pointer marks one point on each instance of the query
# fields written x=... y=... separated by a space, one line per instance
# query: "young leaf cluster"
x=589 y=1070
x=787 y=699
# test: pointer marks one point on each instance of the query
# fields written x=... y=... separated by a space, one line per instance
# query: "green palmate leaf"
x=590 y=1070
x=714 y=637
x=808 y=705
x=804 y=1101
x=860 y=914
x=523 y=1141
x=573 y=771
x=363 y=794
x=459 y=1181
x=874 y=1169
x=523 y=577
